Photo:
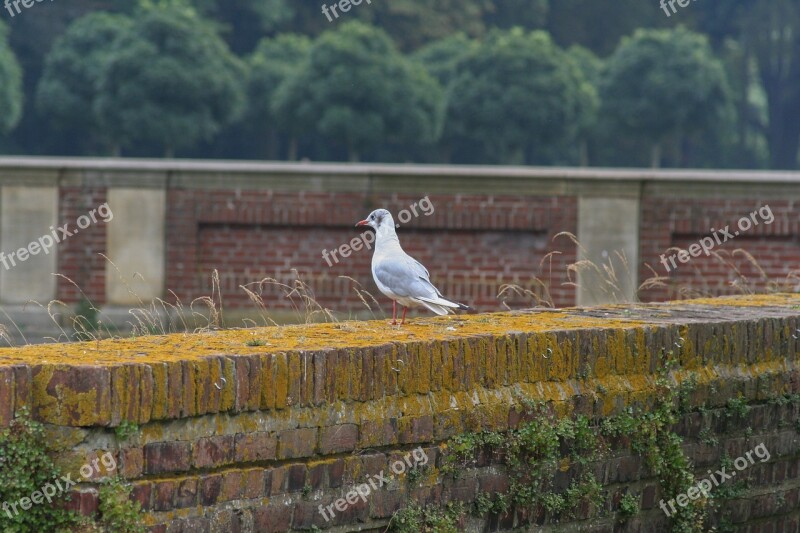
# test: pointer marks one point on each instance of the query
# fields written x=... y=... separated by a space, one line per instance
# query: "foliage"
x=751 y=43
x=533 y=454
x=356 y=88
x=125 y=430
x=10 y=84
x=118 y=513
x=68 y=88
x=273 y=62
x=518 y=92
x=628 y=506
x=169 y=80
x=663 y=84
x=652 y=436
x=25 y=467
x=430 y=519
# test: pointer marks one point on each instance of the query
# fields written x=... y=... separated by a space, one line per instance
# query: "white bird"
x=398 y=275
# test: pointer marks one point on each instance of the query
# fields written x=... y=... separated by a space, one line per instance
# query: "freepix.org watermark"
x=717 y=478
x=671 y=4
x=59 y=486
x=366 y=239
x=343 y=5
x=27 y=4
x=718 y=237
x=417 y=457
x=56 y=235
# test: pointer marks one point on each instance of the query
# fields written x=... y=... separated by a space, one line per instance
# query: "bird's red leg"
x=404 y=316
x=394 y=313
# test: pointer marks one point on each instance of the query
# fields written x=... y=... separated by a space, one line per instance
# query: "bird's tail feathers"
x=444 y=305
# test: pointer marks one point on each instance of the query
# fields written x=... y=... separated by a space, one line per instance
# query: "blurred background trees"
x=568 y=82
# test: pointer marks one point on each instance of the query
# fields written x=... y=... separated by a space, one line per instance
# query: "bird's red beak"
x=362 y=223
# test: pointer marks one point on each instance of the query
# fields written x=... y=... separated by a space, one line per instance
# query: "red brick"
x=210 y=489
x=186 y=495
x=338 y=439
x=295 y=443
x=141 y=492
x=84 y=502
x=6 y=396
x=231 y=486
x=163 y=457
x=213 y=451
x=164 y=495
x=274 y=518
x=259 y=446
x=416 y=430
x=71 y=388
x=131 y=462
x=253 y=483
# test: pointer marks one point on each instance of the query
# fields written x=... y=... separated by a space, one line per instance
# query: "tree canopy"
x=169 y=80
x=474 y=81
x=10 y=84
x=355 y=88
x=662 y=83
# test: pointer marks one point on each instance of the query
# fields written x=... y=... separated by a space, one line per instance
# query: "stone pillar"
x=27 y=214
x=607 y=226
x=136 y=245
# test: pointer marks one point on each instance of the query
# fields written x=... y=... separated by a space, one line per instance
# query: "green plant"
x=86 y=321
x=532 y=455
x=415 y=474
x=306 y=491
x=652 y=437
x=126 y=430
x=708 y=438
x=118 y=513
x=628 y=506
x=256 y=342
x=430 y=519
x=738 y=407
x=25 y=468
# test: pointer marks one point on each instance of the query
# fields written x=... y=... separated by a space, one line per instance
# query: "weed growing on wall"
x=25 y=467
x=429 y=519
x=532 y=455
x=118 y=513
x=652 y=437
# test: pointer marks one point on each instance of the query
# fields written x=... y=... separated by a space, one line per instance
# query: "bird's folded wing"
x=405 y=276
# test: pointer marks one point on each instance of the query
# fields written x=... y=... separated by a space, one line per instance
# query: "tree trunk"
x=655 y=156
x=584 y=153
x=292 y=155
x=271 y=145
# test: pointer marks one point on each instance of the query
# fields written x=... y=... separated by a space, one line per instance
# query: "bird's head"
x=378 y=219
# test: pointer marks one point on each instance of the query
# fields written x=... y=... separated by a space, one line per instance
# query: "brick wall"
x=258 y=439
x=490 y=227
x=471 y=244
x=772 y=251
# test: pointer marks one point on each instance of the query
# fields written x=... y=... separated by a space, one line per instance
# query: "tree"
x=599 y=26
x=591 y=66
x=772 y=28
x=664 y=84
x=517 y=93
x=273 y=62
x=10 y=85
x=68 y=88
x=413 y=23
x=170 y=80
x=355 y=88
x=442 y=58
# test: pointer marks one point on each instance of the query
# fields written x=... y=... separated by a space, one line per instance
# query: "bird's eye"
x=372 y=217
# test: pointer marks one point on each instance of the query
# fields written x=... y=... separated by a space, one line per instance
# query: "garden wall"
x=254 y=430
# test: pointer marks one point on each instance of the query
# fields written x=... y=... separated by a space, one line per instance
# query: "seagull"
x=398 y=275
